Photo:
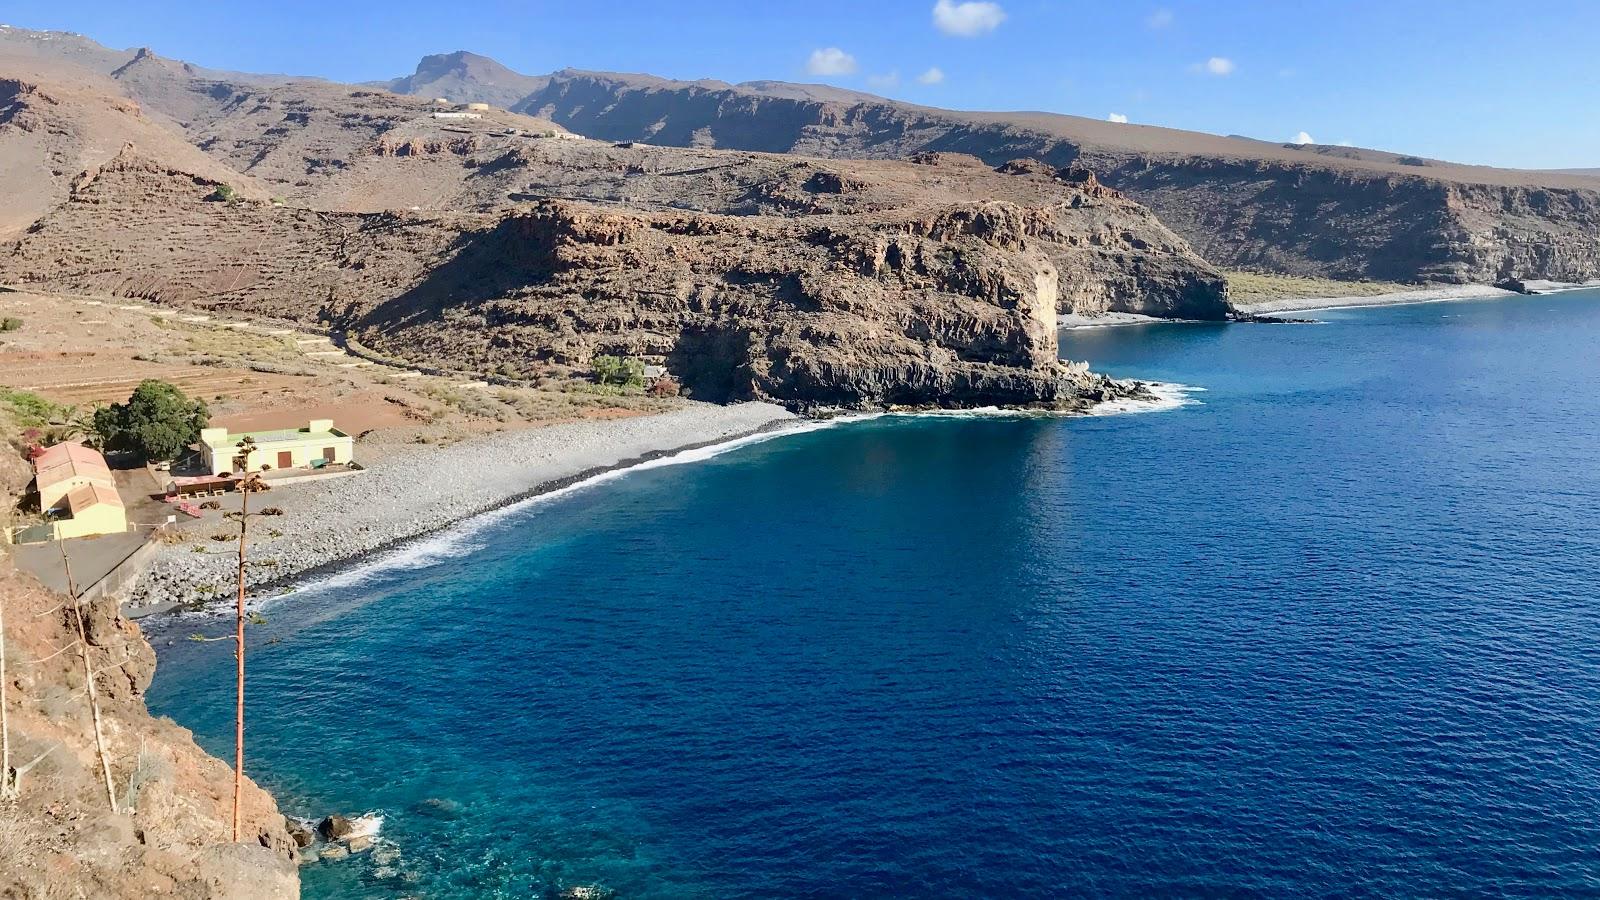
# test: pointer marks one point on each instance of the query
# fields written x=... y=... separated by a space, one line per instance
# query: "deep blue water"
x=1332 y=631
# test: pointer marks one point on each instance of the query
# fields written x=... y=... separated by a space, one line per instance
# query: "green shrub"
x=223 y=194
x=10 y=323
x=618 y=370
x=29 y=408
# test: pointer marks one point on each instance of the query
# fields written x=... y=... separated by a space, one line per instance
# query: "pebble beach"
x=411 y=491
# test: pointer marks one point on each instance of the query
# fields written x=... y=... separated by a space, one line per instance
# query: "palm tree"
x=70 y=422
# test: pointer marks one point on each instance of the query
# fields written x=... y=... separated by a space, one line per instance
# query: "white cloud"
x=830 y=61
x=1219 y=65
x=1119 y=118
x=1347 y=143
x=968 y=19
x=885 y=81
x=1161 y=18
x=934 y=75
x=1303 y=138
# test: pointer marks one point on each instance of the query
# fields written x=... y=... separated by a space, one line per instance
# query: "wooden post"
x=88 y=676
x=8 y=787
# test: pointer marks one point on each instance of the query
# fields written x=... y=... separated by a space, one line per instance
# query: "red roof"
x=60 y=453
x=65 y=461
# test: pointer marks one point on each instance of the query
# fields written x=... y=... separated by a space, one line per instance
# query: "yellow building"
x=316 y=445
x=92 y=509
x=77 y=492
x=65 y=467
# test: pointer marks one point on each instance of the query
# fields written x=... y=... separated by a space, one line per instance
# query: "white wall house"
x=316 y=444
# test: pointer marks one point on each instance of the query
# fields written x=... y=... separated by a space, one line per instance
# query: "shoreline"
x=1401 y=298
x=1440 y=294
x=324 y=572
x=331 y=527
x=297 y=556
x=1393 y=298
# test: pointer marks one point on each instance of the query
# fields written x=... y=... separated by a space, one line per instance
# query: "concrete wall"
x=119 y=579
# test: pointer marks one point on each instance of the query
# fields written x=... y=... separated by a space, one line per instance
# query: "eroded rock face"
x=954 y=309
x=936 y=283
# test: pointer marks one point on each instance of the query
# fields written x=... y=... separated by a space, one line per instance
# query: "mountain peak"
x=462 y=75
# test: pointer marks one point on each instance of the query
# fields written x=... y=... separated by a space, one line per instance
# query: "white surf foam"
x=1168 y=396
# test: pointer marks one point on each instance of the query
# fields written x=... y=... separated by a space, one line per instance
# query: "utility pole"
x=88 y=676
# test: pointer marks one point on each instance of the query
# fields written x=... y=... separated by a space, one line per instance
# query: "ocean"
x=1330 y=628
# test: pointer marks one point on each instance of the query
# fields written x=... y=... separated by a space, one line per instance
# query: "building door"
x=327 y=454
x=285 y=459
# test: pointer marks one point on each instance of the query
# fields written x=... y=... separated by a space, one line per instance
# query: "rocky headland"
x=933 y=282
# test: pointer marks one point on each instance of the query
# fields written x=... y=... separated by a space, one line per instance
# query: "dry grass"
x=16 y=840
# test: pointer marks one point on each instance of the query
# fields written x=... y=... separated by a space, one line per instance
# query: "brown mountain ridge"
x=1303 y=210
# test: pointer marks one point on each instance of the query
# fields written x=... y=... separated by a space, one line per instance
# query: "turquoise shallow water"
x=1332 y=630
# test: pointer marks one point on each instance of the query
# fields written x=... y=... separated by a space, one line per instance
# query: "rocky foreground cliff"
x=171 y=835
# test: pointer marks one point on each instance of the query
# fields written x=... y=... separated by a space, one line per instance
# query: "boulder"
x=298 y=832
x=334 y=828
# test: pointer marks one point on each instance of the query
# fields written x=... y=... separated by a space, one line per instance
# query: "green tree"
x=158 y=421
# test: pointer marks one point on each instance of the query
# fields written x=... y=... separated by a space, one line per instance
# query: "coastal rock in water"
x=335 y=828
x=334 y=853
x=439 y=808
x=299 y=832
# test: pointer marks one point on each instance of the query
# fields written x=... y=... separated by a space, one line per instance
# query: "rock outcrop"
x=53 y=129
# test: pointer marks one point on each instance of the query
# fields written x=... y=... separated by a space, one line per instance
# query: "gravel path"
x=408 y=493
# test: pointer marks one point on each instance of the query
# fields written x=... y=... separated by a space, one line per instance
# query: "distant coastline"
x=1420 y=295
x=1313 y=301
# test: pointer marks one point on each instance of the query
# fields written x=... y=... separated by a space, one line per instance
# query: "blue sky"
x=1469 y=80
